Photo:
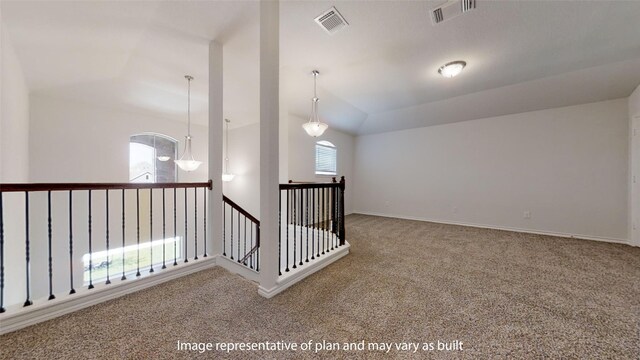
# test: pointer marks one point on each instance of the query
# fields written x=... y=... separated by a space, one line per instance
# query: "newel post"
x=341 y=210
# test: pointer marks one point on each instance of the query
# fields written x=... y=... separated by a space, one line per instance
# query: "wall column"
x=269 y=144
x=215 y=148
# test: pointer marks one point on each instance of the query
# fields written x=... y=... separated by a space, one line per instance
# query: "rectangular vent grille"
x=451 y=9
x=331 y=21
x=467 y=5
x=437 y=16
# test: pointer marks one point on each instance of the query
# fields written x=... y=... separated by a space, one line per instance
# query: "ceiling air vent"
x=467 y=5
x=331 y=21
x=437 y=15
x=451 y=9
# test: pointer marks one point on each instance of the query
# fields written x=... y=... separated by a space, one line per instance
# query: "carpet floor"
x=502 y=294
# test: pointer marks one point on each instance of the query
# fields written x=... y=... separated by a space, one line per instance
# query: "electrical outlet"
x=527 y=214
x=387 y=203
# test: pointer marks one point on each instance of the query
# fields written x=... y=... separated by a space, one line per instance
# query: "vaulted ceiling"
x=378 y=74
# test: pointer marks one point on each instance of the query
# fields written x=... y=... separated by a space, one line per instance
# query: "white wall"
x=14 y=161
x=244 y=162
x=72 y=141
x=567 y=166
x=14 y=126
x=79 y=142
x=634 y=193
x=302 y=157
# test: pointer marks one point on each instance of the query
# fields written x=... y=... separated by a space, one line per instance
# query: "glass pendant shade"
x=314 y=127
x=227 y=177
x=187 y=162
x=452 y=69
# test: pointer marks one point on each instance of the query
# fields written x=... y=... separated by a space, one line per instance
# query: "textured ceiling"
x=379 y=74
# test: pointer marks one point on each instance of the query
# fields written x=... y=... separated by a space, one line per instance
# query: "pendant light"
x=314 y=127
x=187 y=162
x=227 y=175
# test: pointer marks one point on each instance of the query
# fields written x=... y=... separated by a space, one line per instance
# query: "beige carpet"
x=503 y=294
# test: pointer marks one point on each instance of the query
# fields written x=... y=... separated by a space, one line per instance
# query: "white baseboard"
x=64 y=304
x=236 y=268
x=286 y=281
x=505 y=228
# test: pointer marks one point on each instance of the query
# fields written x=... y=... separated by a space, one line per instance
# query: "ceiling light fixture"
x=452 y=69
x=162 y=158
x=227 y=175
x=314 y=127
x=187 y=162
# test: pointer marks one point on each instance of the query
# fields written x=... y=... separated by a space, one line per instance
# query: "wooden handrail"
x=313 y=185
x=240 y=209
x=18 y=187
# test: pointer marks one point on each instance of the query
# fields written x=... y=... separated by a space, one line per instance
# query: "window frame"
x=152 y=145
x=327 y=145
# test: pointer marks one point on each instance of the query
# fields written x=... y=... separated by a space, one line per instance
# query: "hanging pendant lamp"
x=314 y=127
x=227 y=175
x=187 y=162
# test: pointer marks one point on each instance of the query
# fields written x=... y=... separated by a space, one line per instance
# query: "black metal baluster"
x=51 y=296
x=313 y=223
x=106 y=194
x=317 y=220
x=258 y=258
x=295 y=237
x=175 y=229
x=300 y=219
x=195 y=226
x=279 y=232
x=340 y=215
x=287 y=228
x=124 y=277
x=251 y=248
x=324 y=219
x=224 y=229
x=186 y=221
x=238 y=236
x=72 y=291
x=245 y=237
x=333 y=216
x=164 y=230
x=27 y=257
x=205 y=221
x=307 y=220
x=151 y=229
x=337 y=217
x=90 y=248
x=257 y=254
x=2 y=309
x=138 y=232
x=231 y=228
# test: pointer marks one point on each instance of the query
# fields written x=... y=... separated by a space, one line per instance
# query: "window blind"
x=326 y=160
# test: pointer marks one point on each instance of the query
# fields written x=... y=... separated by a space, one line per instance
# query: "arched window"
x=151 y=158
x=326 y=158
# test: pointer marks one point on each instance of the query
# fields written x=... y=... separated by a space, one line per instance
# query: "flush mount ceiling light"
x=187 y=162
x=227 y=175
x=164 y=158
x=314 y=127
x=452 y=69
